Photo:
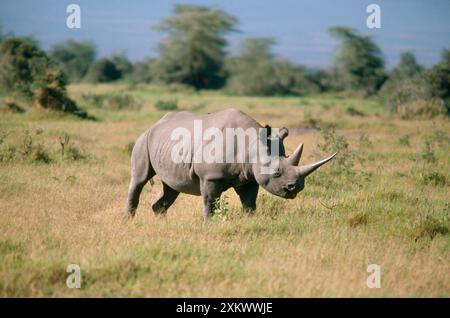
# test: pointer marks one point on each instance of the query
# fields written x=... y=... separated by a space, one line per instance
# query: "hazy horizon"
x=299 y=27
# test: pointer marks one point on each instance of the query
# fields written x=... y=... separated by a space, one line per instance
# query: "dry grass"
x=382 y=211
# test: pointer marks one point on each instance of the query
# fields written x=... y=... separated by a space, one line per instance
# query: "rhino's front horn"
x=307 y=169
x=294 y=159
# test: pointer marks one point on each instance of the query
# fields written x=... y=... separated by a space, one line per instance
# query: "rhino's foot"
x=164 y=199
x=129 y=214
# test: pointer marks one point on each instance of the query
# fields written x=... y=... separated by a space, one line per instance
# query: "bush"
x=112 y=101
x=28 y=148
x=103 y=70
x=434 y=178
x=221 y=208
x=422 y=108
x=354 y=112
x=122 y=102
x=10 y=105
x=166 y=105
x=28 y=71
x=334 y=142
x=415 y=93
x=430 y=226
x=142 y=72
x=405 y=140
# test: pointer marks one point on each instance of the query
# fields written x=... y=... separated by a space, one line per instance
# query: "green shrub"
x=103 y=70
x=10 y=105
x=435 y=178
x=358 y=219
x=40 y=155
x=28 y=71
x=422 y=108
x=430 y=226
x=166 y=105
x=427 y=153
x=116 y=101
x=122 y=102
x=354 y=112
x=28 y=148
x=221 y=208
x=334 y=142
x=75 y=154
x=404 y=140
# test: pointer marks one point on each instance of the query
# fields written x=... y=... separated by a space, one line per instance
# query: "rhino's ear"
x=269 y=130
x=284 y=132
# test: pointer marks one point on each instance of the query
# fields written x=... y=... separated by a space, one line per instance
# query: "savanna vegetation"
x=68 y=121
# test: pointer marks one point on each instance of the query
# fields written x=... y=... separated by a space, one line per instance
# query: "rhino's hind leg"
x=141 y=172
x=165 y=199
x=248 y=194
x=134 y=193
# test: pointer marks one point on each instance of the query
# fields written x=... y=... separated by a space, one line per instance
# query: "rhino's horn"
x=294 y=159
x=307 y=169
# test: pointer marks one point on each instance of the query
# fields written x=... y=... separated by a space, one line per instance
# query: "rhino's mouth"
x=290 y=194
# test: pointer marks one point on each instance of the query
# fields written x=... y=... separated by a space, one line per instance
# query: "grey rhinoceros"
x=153 y=154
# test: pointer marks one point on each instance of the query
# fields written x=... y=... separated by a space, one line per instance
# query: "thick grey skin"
x=152 y=156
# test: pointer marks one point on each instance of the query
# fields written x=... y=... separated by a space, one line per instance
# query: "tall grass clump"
x=166 y=105
x=116 y=101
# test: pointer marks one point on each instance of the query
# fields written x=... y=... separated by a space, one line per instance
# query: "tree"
x=2 y=35
x=256 y=71
x=404 y=71
x=408 y=66
x=103 y=70
x=192 y=52
x=74 y=58
x=439 y=77
x=414 y=92
x=122 y=64
x=359 y=64
x=142 y=72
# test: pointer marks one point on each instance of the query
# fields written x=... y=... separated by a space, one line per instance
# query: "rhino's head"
x=287 y=178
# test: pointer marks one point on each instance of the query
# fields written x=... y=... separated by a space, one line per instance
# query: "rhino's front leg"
x=248 y=194
x=211 y=191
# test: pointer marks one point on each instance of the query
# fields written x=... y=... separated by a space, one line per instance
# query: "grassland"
x=385 y=202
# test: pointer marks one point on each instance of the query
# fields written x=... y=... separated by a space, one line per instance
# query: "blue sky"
x=299 y=26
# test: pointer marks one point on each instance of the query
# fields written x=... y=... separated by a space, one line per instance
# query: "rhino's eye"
x=277 y=173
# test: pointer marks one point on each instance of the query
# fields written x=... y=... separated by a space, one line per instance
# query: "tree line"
x=193 y=52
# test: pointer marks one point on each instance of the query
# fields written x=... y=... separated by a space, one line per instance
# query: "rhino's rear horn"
x=305 y=170
x=294 y=159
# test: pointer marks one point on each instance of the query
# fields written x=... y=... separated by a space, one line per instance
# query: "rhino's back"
x=181 y=176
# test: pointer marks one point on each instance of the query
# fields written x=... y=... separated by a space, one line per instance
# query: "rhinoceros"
x=153 y=154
